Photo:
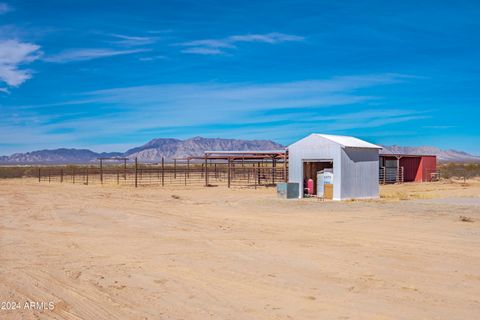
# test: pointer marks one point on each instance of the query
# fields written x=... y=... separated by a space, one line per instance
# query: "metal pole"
x=258 y=175
x=136 y=169
x=101 y=171
x=124 y=169
x=285 y=168
x=228 y=173
x=398 y=170
x=174 y=168
x=188 y=167
x=206 y=170
x=87 y=175
x=39 y=175
x=273 y=170
x=118 y=177
x=73 y=175
x=163 y=171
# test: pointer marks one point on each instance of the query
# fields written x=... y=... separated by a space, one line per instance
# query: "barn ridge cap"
x=347 y=141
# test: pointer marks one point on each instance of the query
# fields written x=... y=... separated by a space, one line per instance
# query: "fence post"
x=73 y=175
x=163 y=171
x=39 y=175
x=174 y=168
x=254 y=177
x=86 y=172
x=61 y=175
x=101 y=171
x=118 y=177
x=258 y=175
x=206 y=170
x=273 y=170
x=228 y=173
x=136 y=174
x=125 y=169
x=48 y=175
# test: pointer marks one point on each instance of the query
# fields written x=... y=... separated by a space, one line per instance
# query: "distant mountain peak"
x=152 y=151
x=174 y=148
x=170 y=148
x=442 y=155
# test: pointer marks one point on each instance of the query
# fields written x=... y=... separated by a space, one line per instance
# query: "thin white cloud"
x=4 y=8
x=217 y=46
x=210 y=43
x=285 y=110
x=152 y=58
x=89 y=54
x=132 y=41
x=273 y=37
x=204 y=51
x=14 y=54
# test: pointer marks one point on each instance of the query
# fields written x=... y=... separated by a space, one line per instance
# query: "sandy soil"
x=152 y=253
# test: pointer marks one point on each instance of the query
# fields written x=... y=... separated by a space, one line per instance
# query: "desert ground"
x=116 y=252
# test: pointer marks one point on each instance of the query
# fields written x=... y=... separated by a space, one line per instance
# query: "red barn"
x=407 y=168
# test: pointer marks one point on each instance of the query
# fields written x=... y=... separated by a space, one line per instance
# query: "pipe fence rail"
x=212 y=174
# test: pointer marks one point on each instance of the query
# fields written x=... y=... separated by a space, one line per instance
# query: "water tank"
x=325 y=183
x=310 y=186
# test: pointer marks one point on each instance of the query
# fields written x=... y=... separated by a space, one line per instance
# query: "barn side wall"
x=359 y=167
x=411 y=168
x=314 y=148
x=428 y=166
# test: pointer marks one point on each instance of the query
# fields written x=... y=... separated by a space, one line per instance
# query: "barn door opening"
x=310 y=171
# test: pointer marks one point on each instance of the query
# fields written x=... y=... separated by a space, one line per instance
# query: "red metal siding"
x=428 y=166
x=411 y=167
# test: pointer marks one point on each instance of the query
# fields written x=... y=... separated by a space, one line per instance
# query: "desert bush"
x=459 y=170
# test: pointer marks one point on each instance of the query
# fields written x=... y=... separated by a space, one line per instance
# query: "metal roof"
x=347 y=141
x=384 y=154
x=247 y=152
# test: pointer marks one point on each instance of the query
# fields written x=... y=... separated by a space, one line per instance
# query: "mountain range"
x=154 y=150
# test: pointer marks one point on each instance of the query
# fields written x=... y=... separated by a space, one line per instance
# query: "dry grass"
x=441 y=189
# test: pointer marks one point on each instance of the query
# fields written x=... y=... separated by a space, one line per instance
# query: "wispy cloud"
x=4 y=8
x=284 y=111
x=14 y=54
x=203 y=50
x=218 y=46
x=152 y=58
x=83 y=54
x=133 y=41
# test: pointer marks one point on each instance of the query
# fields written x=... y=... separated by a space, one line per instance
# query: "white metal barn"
x=354 y=163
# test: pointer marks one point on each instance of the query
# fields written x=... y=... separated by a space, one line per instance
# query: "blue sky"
x=109 y=75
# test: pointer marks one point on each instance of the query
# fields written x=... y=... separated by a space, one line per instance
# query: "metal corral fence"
x=248 y=175
x=391 y=175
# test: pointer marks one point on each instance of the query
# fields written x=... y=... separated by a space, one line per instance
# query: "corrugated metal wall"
x=355 y=170
x=359 y=173
x=428 y=166
x=411 y=168
x=313 y=148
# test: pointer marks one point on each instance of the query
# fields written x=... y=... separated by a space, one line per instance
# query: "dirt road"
x=153 y=253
